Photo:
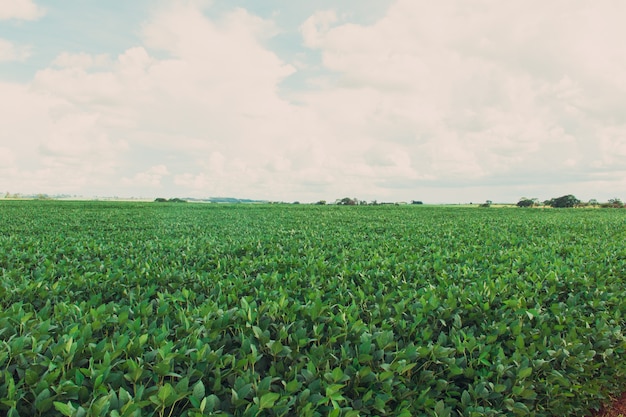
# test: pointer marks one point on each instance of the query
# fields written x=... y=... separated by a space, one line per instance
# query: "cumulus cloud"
x=11 y=52
x=150 y=178
x=55 y=146
x=461 y=96
x=211 y=104
x=475 y=91
x=20 y=9
x=315 y=25
x=7 y=160
x=81 y=60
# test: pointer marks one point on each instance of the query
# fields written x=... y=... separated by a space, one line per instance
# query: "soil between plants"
x=616 y=409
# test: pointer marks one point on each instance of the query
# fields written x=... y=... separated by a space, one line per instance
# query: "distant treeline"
x=568 y=201
x=171 y=200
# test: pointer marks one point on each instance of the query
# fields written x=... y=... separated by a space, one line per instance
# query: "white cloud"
x=476 y=91
x=55 y=146
x=150 y=178
x=20 y=9
x=426 y=96
x=319 y=22
x=81 y=60
x=7 y=159
x=212 y=105
x=11 y=52
x=198 y=182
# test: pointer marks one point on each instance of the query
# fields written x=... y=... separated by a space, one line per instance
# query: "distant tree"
x=347 y=201
x=615 y=203
x=417 y=202
x=593 y=202
x=321 y=203
x=171 y=200
x=296 y=202
x=525 y=202
x=487 y=203
x=565 y=201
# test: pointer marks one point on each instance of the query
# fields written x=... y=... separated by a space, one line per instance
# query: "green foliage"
x=525 y=202
x=613 y=203
x=171 y=200
x=129 y=309
x=347 y=201
x=565 y=201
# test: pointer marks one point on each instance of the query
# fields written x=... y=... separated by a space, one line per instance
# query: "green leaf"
x=466 y=398
x=65 y=409
x=198 y=390
x=455 y=370
x=292 y=386
x=520 y=409
x=524 y=373
x=211 y=403
x=337 y=375
x=182 y=387
x=441 y=410
x=43 y=402
x=268 y=400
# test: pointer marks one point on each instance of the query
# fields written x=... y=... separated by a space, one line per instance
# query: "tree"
x=564 y=201
x=616 y=203
x=171 y=200
x=525 y=202
x=347 y=201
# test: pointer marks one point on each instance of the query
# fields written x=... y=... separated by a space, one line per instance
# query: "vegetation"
x=347 y=201
x=564 y=201
x=613 y=203
x=171 y=200
x=527 y=202
x=129 y=309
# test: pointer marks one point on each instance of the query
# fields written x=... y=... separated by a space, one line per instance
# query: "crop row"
x=146 y=309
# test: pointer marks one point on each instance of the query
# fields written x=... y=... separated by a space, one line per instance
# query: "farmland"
x=140 y=309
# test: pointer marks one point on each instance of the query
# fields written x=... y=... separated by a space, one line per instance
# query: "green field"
x=141 y=309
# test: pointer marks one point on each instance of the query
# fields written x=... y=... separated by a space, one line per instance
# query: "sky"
x=387 y=100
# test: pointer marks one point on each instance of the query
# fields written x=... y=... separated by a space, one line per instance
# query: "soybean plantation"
x=144 y=309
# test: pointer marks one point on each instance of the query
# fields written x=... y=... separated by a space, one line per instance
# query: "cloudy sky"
x=391 y=100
